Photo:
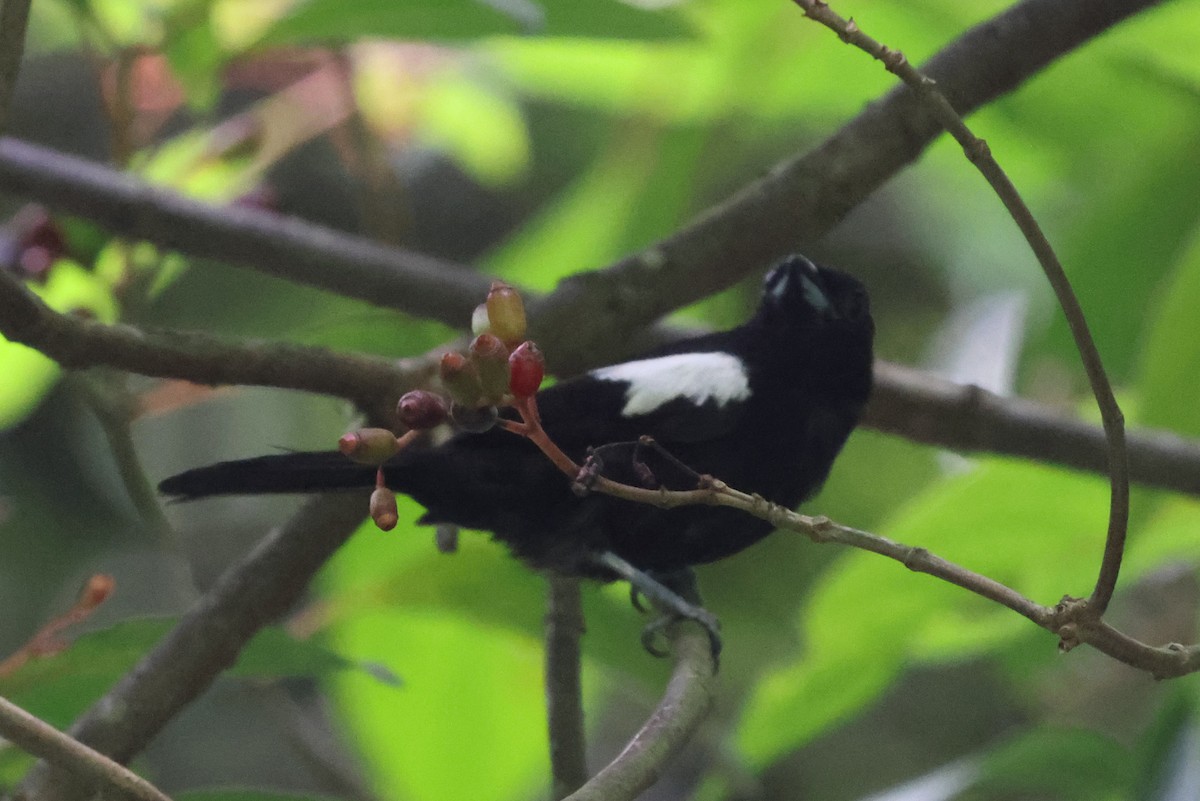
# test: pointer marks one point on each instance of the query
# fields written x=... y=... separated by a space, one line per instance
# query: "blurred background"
x=534 y=140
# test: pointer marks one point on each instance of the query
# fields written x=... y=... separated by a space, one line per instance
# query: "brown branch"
x=794 y=204
x=14 y=16
x=252 y=594
x=34 y=736
x=979 y=154
x=564 y=691
x=270 y=243
x=682 y=709
x=906 y=402
x=78 y=342
x=800 y=200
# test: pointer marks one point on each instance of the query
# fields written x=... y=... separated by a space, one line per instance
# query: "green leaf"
x=1170 y=360
x=1022 y=524
x=336 y=20
x=1068 y=764
x=28 y=374
x=60 y=686
x=472 y=695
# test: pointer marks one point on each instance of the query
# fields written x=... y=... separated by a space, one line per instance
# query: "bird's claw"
x=656 y=630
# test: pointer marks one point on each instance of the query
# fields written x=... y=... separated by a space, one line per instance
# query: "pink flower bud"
x=383 y=508
x=369 y=445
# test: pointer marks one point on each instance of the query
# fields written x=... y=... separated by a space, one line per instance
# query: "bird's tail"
x=317 y=471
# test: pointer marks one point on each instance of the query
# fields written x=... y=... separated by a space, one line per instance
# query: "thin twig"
x=682 y=709
x=14 y=17
x=564 y=689
x=979 y=154
x=35 y=736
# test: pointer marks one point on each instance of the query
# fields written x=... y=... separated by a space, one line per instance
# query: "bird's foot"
x=674 y=594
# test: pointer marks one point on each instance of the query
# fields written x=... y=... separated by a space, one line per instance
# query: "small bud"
x=421 y=410
x=369 y=445
x=96 y=591
x=473 y=419
x=461 y=379
x=491 y=360
x=383 y=508
x=506 y=312
x=480 y=324
x=527 y=368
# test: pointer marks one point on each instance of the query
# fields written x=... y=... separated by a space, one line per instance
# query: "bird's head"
x=798 y=293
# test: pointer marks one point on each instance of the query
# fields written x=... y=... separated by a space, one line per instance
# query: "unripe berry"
x=383 y=508
x=506 y=312
x=527 y=368
x=461 y=379
x=491 y=360
x=421 y=410
x=369 y=445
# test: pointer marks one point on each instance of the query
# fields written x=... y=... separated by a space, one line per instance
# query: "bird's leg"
x=675 y=594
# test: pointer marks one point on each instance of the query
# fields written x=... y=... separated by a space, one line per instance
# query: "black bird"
x=765 y=407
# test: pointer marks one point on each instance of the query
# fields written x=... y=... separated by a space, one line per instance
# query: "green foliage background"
x=539 y=139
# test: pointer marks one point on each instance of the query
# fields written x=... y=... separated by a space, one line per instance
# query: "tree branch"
x=34 y=736
x=905 y=401
x=795 y=203
x=14 y=16
x=270 y=243
x=78 y=342
x=683 y=707
x=979 y=154
x=800 y=200
x=564 y=690
x=252 y=594
x=925 y=408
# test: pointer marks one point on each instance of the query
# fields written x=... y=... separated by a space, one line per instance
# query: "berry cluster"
x=500 y=368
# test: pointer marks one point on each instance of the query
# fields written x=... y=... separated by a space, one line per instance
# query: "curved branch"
x=682 y=709
x=35 y=736
x=800 y=200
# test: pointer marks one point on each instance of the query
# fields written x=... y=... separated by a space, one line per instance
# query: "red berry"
x=527 y=368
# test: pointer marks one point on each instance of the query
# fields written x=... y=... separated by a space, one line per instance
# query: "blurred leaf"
x=29 y=374
x=334 y=20
x=481 y=131
x=1170 y=396
x=60 y=686
x=1167 y=749
x=1022 y=524
x=472 y=695
x=1067 y=764
x=194 y=52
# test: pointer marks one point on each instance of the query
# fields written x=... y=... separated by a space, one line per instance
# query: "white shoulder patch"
x=699 y=377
